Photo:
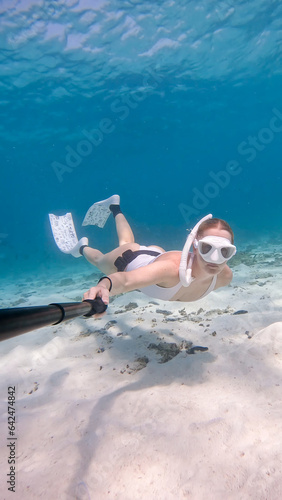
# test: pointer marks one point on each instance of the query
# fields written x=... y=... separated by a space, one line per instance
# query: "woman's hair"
x=219 y=223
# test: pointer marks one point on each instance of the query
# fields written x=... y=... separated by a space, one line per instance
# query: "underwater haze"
x=174 y=105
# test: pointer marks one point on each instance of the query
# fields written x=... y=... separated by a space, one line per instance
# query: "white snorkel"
x=185 y=272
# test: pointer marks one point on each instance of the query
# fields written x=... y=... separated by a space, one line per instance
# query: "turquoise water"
x=174 y=105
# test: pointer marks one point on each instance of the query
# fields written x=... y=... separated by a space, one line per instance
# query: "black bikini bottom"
x=128 y=256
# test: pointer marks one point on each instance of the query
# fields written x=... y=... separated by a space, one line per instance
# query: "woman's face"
x=206 y=266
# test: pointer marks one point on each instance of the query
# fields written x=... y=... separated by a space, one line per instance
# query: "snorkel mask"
x=213 y=249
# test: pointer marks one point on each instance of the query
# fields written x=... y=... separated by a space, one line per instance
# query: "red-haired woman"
x=176 y=276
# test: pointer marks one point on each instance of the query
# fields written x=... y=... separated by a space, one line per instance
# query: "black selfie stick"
x=18 y=320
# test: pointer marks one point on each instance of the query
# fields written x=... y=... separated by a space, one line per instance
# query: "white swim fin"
x=65 y=235
x=98 y=214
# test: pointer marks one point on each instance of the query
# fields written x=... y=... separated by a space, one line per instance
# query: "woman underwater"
x=172 y=276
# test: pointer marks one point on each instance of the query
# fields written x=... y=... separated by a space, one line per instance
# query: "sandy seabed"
x=128 y=407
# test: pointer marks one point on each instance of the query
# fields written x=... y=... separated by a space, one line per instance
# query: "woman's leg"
x=105 y=262
x=124 y=231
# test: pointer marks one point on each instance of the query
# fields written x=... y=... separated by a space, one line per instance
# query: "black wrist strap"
x=107 y=278
x=98 y=306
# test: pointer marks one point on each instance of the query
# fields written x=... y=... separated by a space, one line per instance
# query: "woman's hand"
x=98 y=291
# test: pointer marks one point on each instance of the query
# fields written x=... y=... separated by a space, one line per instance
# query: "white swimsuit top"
x=156 y=291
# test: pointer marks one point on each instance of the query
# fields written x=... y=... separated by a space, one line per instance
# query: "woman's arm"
x=163 y=273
